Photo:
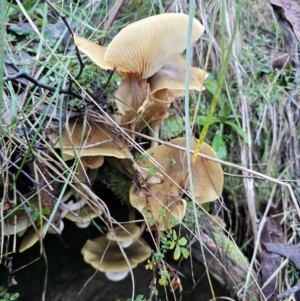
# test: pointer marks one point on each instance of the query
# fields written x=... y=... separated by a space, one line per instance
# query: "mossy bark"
x=224 y=260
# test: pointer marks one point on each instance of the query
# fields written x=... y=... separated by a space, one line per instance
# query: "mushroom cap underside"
x=143 y=47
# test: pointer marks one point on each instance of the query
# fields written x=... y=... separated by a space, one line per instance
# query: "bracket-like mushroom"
x=85 y=214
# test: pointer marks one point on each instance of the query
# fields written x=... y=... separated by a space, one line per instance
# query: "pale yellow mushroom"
x=145 y=46
x=85 y=214
x=18 y=220
x=33 y=235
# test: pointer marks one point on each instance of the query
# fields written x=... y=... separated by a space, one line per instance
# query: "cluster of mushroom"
x=147 y=54
x=159 y=198
x=22 y=224
x=117 y=252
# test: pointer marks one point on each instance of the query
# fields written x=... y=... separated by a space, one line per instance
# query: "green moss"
x=114 y=180
x=232 y=251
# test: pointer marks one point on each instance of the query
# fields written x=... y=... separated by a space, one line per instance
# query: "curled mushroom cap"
x=32 y=236
x=18 y=220
x=158 y=197
x=91 y=141
x=93 y=51
x=125 y=234
x=208 y=177
x=22 y=223
x=172 y=76
x=105 y=255
x=144 y=46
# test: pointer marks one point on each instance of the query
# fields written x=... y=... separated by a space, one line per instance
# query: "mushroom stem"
x=126 y=244
x=116 y=276
x=138 y=90
x=83 y=225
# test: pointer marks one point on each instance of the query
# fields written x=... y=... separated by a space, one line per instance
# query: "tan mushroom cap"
x=154 y=109
x=105 y=255
x=172 y=76
x=22 y=223
x=165 y=193
x=92 y=162
x=163 y=209
x=10 y=226
x=86 y=214
x=208 y=177
x=160 y=202
x=124 y=233
x=91 y=139
x=93 y=51
x=31 y=237
x=143 y=47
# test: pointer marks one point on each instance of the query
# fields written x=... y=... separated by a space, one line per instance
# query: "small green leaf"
x=174 y=235
x=162 y=212
x=164 y=240
x=172 y=245
x=182 y=241
x=172 y=127
x=185 y=253
x=219 y=146
x=177 y=253
x=239 y=130
x=14 y=297
x=201 y=120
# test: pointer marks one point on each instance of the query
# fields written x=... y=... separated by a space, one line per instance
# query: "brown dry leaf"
x=292 y=252
x=291 y=11
x=269 y=261
x=176 y=284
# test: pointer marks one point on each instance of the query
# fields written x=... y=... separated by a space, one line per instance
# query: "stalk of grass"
x=188 y=136
x=2 y=44
x=226 y=53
